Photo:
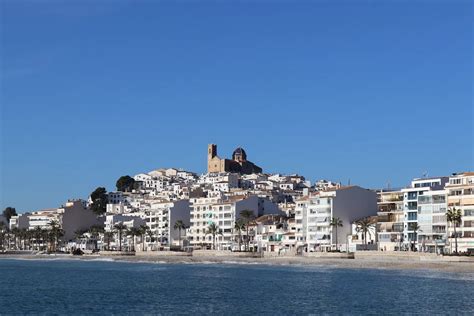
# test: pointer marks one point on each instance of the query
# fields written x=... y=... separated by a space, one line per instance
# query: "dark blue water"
x=94 y=287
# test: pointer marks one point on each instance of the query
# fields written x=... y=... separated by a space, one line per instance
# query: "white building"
x=131 y=220
x=390 y=219
x=313 y=216
x=461 y=196
x=224 y=212
x=20 y=221
x=413 y=198
x=161 y=218
x=72 y=217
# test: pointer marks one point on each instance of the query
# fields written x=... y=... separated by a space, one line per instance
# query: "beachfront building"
x=424 y=205
x=272 y=236
x=314 y=212
x=390 y=220
x=129 y=220
x=73 y=216
x=223 y=211
x=460 y=190
x=161 y=218
x=20 y=221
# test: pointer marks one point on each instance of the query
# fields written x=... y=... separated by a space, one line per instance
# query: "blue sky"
x=372 y=92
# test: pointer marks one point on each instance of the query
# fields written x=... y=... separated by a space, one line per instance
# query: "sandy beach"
x=456 y=267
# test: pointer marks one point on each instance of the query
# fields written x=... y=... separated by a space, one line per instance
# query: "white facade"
x=313 y=216
x=461 y=196
x=223 y=212
x=413 y=197
x=161 y=218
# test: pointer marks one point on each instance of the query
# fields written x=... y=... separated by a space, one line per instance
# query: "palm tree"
x=239 y=226
x=16 y=235
x=150 y=234
x=55 y=233
x=143 y=229
x=454 y=216
x=415 y=228
x=365 y=226
x=120 y=228
x=134 y=232
x=108 y=236
x=336 y=222
x=213 y=230
x=38 y=235
x=247 y=216
x=179 y=225
x=2 y=234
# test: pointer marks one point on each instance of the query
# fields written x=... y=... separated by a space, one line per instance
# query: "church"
x=238 y=163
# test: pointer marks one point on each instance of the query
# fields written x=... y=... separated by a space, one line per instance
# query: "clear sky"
x=367 y=91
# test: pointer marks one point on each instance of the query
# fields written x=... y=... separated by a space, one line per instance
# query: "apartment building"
x=390 y=218
x=460 y=194
x=314 y=212
x=424 y=205
x=72 y=216
x=161 y=218
x=224 y=212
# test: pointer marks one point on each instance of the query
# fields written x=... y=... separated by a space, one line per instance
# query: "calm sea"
x=99 y=287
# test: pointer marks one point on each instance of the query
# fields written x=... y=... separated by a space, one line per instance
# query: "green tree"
x=9 y=212
x=143 y=231
x=179 y=225
x=55 y=233
x=239 y=226
x=38 y=234
x=16 y=236
x=247 y=216
x=151 y=235
x=454 y=217
x=125 y=184
x=415 y=228
x=213 y=230
x=365 y=226
x=120 y=228
x=99 y=200
x=134 y=232
x=3 y=229
x=108 y=236
x=336 y=222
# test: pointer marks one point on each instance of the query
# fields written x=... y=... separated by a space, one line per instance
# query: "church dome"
x=239 y=154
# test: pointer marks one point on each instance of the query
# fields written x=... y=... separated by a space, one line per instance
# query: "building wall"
x=76 y=217
x=181 y=210
x=351 y=204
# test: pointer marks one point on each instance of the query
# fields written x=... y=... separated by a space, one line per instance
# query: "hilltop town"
x=237 y=207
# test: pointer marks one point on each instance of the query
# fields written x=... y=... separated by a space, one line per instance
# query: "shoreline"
x=452 y=267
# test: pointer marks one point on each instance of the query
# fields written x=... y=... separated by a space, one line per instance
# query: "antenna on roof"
x=349 y=182
x=425 y=174
x=388 y=185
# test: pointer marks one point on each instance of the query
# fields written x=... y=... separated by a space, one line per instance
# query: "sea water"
x=80 y=287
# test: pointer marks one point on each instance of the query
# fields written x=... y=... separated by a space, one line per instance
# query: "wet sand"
x=458 y=267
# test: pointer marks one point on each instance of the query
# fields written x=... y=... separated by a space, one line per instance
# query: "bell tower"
x=211 y=151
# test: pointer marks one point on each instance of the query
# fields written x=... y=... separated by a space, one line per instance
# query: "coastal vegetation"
x=336 y=222
x=247 y=216
x=365 y=226
x=454 y=217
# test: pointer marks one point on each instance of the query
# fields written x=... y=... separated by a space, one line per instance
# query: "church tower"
x=211 y=151
x=213 y=162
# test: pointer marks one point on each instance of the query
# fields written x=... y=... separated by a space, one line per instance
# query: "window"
x=412 y=216
x=469 y=212
x=455 y=181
